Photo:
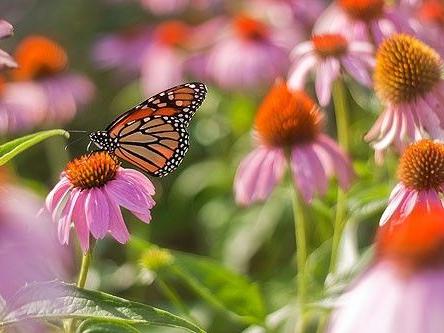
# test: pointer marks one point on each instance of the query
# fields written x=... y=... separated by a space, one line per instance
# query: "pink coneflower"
x=288 y=125
x=403 y=291
x=42 y=65
x=408 y=81
x=248 y=55
x=329 y=55
x=19 y=114
x=29 y=250
x=6 y=60
x=89 y=194
x=163 y=63
x=372 y=20
x=421 y=175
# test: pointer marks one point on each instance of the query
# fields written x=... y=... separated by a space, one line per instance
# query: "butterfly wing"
x=181 y=101
x=156 y=144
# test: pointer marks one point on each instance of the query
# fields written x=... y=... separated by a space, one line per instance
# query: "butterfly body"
x=153 y=135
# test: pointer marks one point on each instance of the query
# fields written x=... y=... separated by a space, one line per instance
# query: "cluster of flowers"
x=251 y=50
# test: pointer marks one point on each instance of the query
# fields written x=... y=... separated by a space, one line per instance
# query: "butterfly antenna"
x=76 y=141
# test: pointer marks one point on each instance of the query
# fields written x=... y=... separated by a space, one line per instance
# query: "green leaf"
x=57 y=300
x=12 y=148
x=97 y=326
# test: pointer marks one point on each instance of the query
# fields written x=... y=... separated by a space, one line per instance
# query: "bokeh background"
x=195 y=210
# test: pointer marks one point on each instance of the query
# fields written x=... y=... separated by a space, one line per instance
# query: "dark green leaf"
x=57 y=300
x=12 y=148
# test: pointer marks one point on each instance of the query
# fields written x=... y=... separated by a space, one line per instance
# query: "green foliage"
x=233 y=294
x=11 y=149
x=56 y=300
x=97 y=326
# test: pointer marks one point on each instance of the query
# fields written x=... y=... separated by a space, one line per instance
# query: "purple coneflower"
x=372 y=20
x=42 y=65
x=248 y=55
x=421 y=175
x=403 y=291
x=288 y=126
x=89 y=194
x=6 y=60
x=328 y=55
x=408 y=81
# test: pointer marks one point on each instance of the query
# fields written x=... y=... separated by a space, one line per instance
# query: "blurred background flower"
x=289 y=123
x=29 y=250
x=403 y=290
x=6 y=61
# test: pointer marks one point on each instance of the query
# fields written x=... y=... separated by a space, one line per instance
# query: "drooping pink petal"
x=326 y=73
x=57 y=193
x=6 y=29
x=80 y=222
x=66 y=218
x=121 y=193
x=358 y=70
x=302 y=174
x=6 y=60
x=117 y=226
x=334 y=155
x=266 y=165
x=397 y=197
x=97 y=212
x=298 y=74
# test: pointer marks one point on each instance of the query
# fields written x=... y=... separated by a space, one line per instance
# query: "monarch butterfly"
x=153 y=135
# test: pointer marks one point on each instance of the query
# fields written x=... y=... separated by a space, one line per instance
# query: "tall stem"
x=86 y=261
x=301 y=255
x=342 y=129
x=69 y=325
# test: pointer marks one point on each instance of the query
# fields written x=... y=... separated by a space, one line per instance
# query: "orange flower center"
x=250 y=28
x=421 y=166
x=415 y=242
x=286 y=118
x=329 y=45
x=432 y=11
x=92 y=170
x=172 y=33
x=406 y=68
x=365 y=10
x=39 y=56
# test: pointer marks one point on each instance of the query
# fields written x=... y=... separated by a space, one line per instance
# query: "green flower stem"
x=81 y=280
x=86 y=261
x=172 y=295
x=342 y=126
x=301 y=256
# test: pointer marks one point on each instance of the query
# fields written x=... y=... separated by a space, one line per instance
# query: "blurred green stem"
x=301 y=255
x=171 y=294
x=342 y=130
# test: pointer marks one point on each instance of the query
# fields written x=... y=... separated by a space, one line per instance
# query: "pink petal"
x=301 y=49
x=97 y=212
x=331 y=153
x=6 y=29
x=319 y=173
x=66 y=219
x=357 y=70
x=301 y=169
x=326 y=73
x=80 y=222
x=139 y=178
x=117 y=226
x=257 y=174
x=6 y=60
x=298 y=73
x=57 y=193
x=128 y=195
x=394 y=204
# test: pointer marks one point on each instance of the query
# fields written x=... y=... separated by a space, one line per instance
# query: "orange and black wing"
x=155 y=144
x=181 y=101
